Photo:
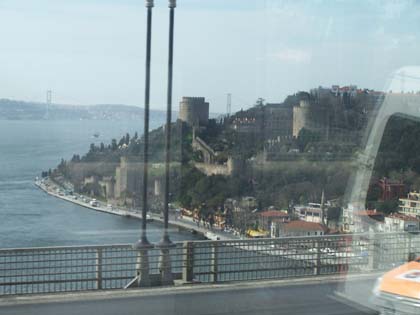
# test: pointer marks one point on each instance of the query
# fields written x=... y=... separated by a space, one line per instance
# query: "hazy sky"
x=93 y=51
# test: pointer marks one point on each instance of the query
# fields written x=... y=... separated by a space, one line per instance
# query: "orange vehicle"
x=398 y=291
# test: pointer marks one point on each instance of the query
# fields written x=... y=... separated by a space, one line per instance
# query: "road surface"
x=314 y=298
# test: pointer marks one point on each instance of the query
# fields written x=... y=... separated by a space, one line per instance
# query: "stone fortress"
x=128 y=177
x=300 y=117
x=285 y=121
x=275 y=123
x=194 y=111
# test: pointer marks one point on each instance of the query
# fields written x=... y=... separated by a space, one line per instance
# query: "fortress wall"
x=212 y=169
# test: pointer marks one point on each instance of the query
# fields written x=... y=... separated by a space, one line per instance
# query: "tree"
x=114 y=145
x=260 y=102
x=75 y=158
x=388 y=206
x=121 y=142
x=305 y=137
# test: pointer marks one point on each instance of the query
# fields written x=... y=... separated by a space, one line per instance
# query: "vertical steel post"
x=143 y=245
x=165 y=244
x=214 y=261
x=374 y=251
x=318 y=261
x=99 y=264
x=187 y=261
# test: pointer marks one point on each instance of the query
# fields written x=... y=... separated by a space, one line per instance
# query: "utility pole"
x=323 y=208
x=165 y=244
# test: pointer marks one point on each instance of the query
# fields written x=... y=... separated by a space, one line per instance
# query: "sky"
x=93 y=51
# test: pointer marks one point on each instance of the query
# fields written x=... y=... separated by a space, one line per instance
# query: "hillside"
x=20 y=110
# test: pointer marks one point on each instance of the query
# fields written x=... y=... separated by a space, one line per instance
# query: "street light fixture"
x=143 y=245
x=165 y=244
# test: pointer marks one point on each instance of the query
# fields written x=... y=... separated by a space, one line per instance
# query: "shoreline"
x=51 y=189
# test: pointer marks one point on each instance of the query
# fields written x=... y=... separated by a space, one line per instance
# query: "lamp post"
x=143 y=245
x=165 y=243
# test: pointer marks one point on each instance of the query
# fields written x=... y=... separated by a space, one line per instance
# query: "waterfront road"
x=253 y=299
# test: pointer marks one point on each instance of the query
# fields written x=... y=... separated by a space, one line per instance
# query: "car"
x=94 y=203
x=398 y=291
x=328 y=251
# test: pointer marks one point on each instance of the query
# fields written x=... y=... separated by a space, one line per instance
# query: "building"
x=300 y=228
x=194 y=111
x=366 y=220
x=391 y=189
x=267 y=217
x=398 y=222
x=347 y=219
x=357 y=220
x=411 y=205
x=310 y=213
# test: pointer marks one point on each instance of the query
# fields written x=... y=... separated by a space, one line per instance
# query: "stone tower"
x=300 y=117
x=194 y=111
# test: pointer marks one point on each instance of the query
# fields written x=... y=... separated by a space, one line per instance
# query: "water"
x=28 y=216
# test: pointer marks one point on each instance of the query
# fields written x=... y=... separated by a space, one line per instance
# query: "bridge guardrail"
x=77 y=268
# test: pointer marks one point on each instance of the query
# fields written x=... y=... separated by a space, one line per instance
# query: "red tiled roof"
x=403 y=217
x=303 y=225
x=273 y=213
x=368 y=213
x=281 y=219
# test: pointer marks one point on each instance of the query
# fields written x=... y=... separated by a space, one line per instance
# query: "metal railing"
x=64 y=269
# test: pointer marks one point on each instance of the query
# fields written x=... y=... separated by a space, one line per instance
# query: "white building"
x=310 y=213
x=300 y=228
x=411 y=205
x=356 y=219
x=398 y=222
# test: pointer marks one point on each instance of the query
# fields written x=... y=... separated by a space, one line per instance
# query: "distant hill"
x=20 y=110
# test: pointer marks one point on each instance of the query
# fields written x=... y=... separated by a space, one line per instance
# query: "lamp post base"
x=165 y=266
x=142 y=267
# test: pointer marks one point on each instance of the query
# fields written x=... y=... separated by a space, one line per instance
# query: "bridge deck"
x=305 y=296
